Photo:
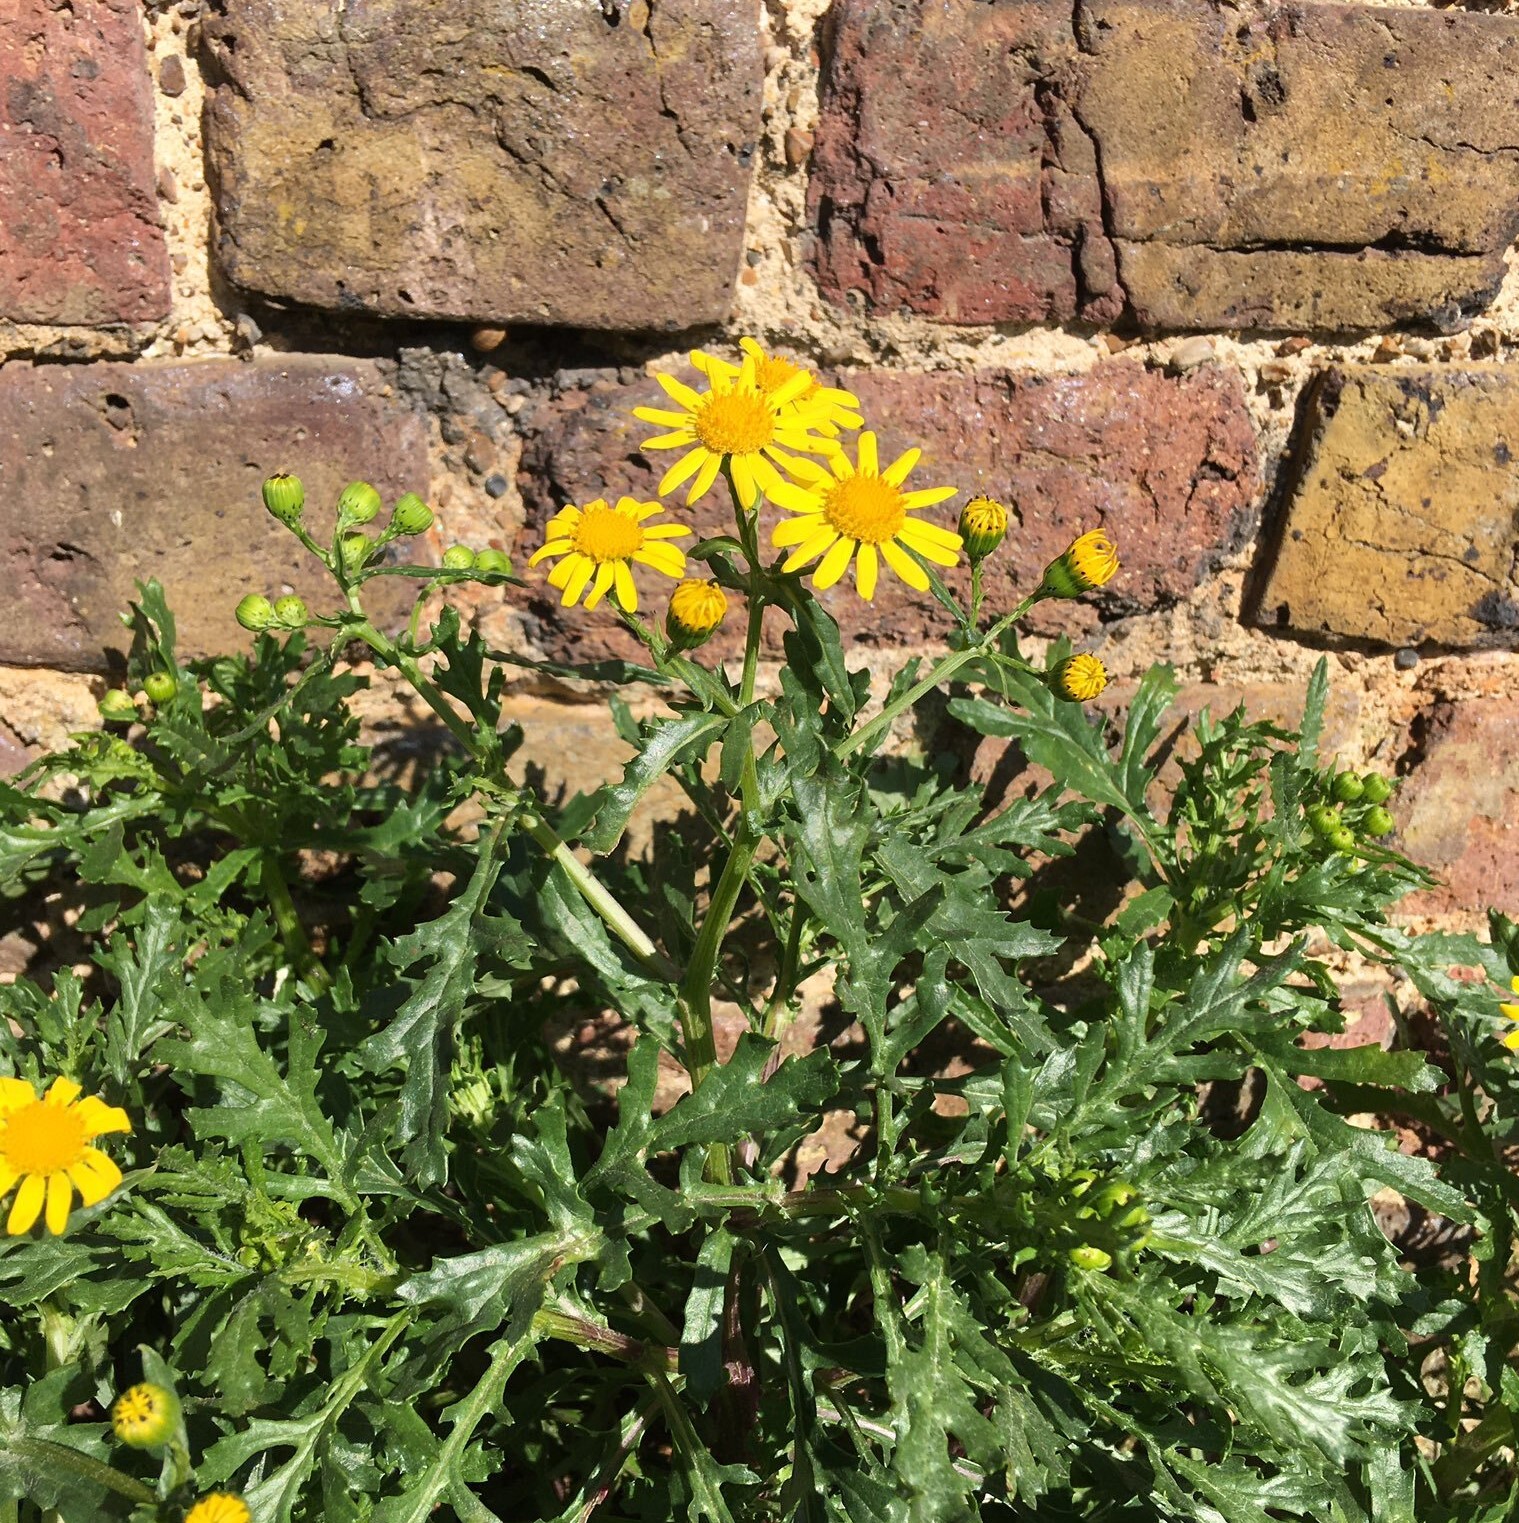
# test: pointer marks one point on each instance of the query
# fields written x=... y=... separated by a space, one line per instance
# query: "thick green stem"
x=288 y=921
x=603 y=1340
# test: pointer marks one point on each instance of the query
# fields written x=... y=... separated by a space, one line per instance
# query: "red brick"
x=80 y=241
x=1457 y=808
x=1166 y=463
x=552 y=163
x=114 y=473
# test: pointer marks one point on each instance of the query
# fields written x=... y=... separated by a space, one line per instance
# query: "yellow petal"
x=580 y=573
x=870 y=462
x=1510 y=1012
x=14 y=1093
x=667 y=559
x=1510 y=1040
x=560 y=574
x=99 y=1117
x=664 y=416
x=627 y=593
x=684 y=467
x=795 y=499
x=599 y=588
x=865 y=568
x=8 y=1178
x=927 y=497
x=934 y=534
x=673 y=440
x=63 y=1091
x=929 y=549
x=833 y=565
x=900 y=468
x=794 y=531
x=813 y=548
x=553 y=547
x=791 y=389
x=744 y=484
x=678 y=391
x=95 y=1176
x=905 y=566
x=704 y=477
x=60 y=1196
x=27 y=1206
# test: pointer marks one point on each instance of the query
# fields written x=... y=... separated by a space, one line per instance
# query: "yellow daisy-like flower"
x=145 y=1415
x=1510 y=1012
x=598 y=543
x=1077 y=679
x=738 y=422
x=44 y=1145
x=831 y=409
x=846 y=510
x=1091 y=562
x=219 y=1507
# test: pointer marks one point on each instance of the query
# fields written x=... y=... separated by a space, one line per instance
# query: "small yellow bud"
x=145 y=1416
x=697 y=609
x=458 y=558
x=983 y=526
x=285 y=497
x=117 y=707
x=358 y=503
x=493 y=563
x=255 y=612
x=292 y=612
x=1090 y=562
x=1077 y=679
x=220 y=1507
x=411 y=515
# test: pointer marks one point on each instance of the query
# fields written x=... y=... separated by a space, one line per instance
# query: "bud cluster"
x=1351 y=808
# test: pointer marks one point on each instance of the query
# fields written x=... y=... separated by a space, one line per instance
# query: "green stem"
x=603 y=1340
x=288 y=921
x=942 y=671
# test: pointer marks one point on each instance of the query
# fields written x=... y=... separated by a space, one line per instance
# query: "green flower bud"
x=1087 y=1257
x=1324 y=820
x=160 y=686
x=255 y=612
x=411 y=515
x=145 y=1416
x=1077 y=679
x=1375 y=789
x=292 y=612
x=358 y=503
x=355 y=550
x=285 y=497
x=983 y=526
x=458 y=558
x=1090 y=562
x=1378 y=822
x=1348 y=788
x=117 y=707
x=1342 y=839
x=493 y=563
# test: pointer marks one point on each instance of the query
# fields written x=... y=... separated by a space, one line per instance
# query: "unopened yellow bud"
x=220 y=1507
x=697 y=609
x=358 y=503
x=1077 y=679
x=255 y=612
x=145 y=1416
x=1090 y=562
x=983 y=526
x=285 y=497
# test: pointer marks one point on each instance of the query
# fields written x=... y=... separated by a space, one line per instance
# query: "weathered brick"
x=80 y=241
x=1167 y=464
x=1297 y=166
x=1456 y=811
x=1402 y=509
x=114 y=473
x=553 y=163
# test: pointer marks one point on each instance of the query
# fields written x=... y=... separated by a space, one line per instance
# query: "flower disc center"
x=604 y=534
x=42 y=1139
x=865 y=508
x=735 y=423
x=773 y=372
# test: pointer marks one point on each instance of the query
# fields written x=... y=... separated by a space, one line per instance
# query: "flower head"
x=44 y=1146
x=1090 y=562
x=696 y=610
x=1510 y=1013
x=846 y=510
x=1077 y=679
x=828 y=408
x=983 y=526
x=220 y=1507
x=145 y=1415
x=738 y=422
x=598 y=543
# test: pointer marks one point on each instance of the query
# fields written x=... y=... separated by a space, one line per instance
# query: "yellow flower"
x=983 y=526
x=219 y=1507
x=144 y=1415
x=696 y=609
x=43 y=1145
x=844 y=509
x=1510 y=1012
x=1077 y=679
x=830 y=408
x=598 y=543
x=1090 y=562
x=738 y=422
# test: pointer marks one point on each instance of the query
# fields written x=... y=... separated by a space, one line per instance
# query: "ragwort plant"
x=326 y=1231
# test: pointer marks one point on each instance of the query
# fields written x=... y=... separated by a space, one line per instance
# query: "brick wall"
x=1234 y=281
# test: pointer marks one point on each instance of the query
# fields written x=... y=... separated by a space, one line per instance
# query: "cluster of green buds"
x=1352 y=808
x=256 y=612
x=158 y=687
x=487 y=564
x=1111 y=1212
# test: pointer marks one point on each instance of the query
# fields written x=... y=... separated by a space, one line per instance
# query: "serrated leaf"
x=663 y=744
